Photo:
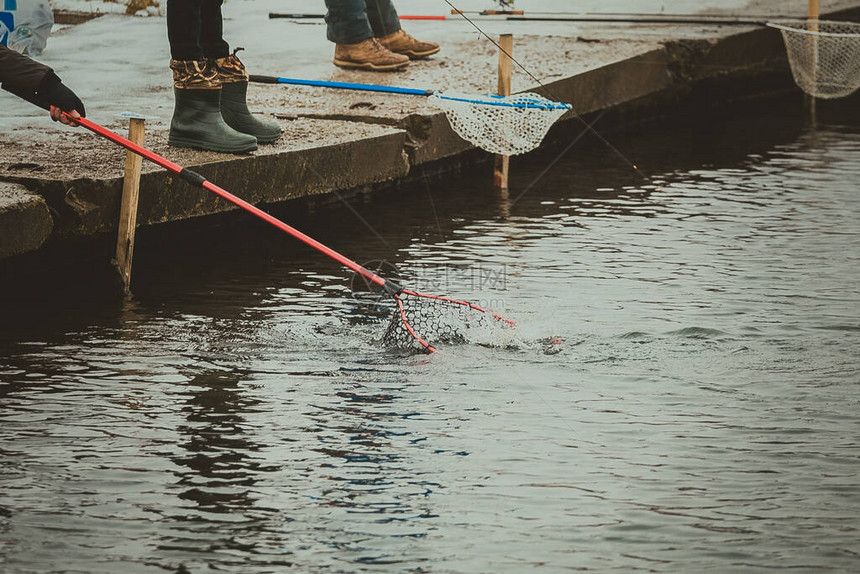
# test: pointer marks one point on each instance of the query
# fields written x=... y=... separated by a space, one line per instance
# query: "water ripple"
x=680 y=392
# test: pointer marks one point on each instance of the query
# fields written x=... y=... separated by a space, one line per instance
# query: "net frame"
x=504 y=125
x=824 y=55
x=405 y=333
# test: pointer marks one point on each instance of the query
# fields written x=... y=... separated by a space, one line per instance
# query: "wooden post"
x=506 y=68
x=813 y=15
x=128 y=211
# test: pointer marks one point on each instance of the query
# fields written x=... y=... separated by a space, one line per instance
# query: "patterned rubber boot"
x=197 y=121
x=234 y=108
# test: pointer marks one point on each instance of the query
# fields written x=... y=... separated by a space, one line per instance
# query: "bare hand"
x=59 y=116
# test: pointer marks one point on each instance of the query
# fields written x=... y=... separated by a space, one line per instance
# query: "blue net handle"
x=488 y=100
x=521 y=103
x=340 y=85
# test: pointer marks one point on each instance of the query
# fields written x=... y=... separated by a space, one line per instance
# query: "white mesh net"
x=824 y=56
x=441 y=320
x=507 y=125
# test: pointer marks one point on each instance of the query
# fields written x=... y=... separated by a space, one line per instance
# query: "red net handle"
x=196 y=179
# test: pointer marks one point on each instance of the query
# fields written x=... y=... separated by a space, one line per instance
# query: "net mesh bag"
x=420 y=322
x=824 y=56
x=508 y=125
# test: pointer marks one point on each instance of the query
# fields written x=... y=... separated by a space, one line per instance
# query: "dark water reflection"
x=239 y=415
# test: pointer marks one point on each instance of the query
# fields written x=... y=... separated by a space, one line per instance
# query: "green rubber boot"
x=197 y=121
x=234 y=109
x=197 y=124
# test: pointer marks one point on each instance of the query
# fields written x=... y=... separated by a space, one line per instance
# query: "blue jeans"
x=352 y=21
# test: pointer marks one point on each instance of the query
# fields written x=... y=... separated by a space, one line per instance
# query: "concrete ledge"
x=345 y=140
x=88 y=205
x=25 y=220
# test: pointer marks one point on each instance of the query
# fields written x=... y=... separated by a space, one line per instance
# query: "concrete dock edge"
x=55 y=206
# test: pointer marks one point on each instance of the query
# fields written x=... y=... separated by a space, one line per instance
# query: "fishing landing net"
x=420 y=322
x=505 y=125
x=824 y=56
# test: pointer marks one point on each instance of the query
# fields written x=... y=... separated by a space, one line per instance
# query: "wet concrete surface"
x=338 y=140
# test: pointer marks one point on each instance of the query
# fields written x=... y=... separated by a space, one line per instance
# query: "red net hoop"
x=420 y=322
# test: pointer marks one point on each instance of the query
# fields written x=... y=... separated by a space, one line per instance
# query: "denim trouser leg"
x=382 y=17
x=352 y=21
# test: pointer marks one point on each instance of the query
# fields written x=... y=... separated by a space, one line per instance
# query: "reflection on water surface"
x=238 y=415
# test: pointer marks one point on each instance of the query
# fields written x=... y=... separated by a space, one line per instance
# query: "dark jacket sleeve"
x=22 y=76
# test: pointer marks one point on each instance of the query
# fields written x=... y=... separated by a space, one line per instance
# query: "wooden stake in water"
x=813 y=16
x=506 y=68
x=128 y=211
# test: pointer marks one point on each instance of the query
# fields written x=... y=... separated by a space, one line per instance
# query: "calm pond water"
x=701 y=414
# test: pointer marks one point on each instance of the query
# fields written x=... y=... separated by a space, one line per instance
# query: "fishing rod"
x=585 y=17
x=658 y=15
x=497 y=101
x=588 y=127
x=273 y=15
x=302 y=16
x=467 y=133
x=485 y=13
x=413 y=308
x=198 y=180
x=490 y=12
x=697 y=20
x=258 y=79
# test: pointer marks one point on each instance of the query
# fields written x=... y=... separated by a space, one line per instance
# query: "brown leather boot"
x=402 y=43
x=368 y=55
